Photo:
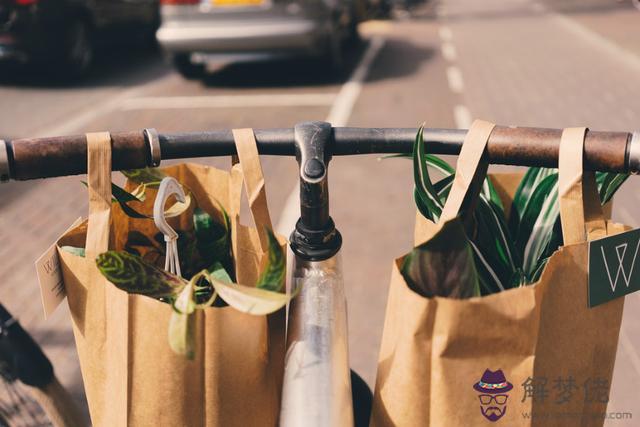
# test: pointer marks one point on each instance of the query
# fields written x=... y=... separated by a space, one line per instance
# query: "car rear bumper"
x=272 y=35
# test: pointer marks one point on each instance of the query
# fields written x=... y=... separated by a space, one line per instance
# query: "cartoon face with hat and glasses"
x=493 y=388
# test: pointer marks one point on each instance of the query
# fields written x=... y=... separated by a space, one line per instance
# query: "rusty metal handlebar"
x=25 y=159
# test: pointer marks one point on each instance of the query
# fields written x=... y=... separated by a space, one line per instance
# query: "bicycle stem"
x=315 y=237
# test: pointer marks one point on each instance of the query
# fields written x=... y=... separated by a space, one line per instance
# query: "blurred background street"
x=544 y=63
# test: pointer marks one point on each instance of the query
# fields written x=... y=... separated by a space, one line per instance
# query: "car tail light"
x=178 y=2
x=25 y=2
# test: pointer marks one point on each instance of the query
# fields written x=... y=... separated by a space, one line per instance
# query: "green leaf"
x=218 y=272
x=537 y=223
x=213 y=240
x=443 y=266
x=439 y=165
x=190 y=260
x=609 y=183
x=522 y=197
x=123 y=197
x=443 y=187
x=182 y=323
x=537 y=272
x=251 y=300
x=272 y=277
x=136 y=276
x=148 y=176
x=425 y=195
x=489 y=281
x=435 y=162
x=492 y=239
x=74 y=251
x=490 y=194
x=396 y=156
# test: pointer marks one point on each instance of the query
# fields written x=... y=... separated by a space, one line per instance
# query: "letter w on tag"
x=612 y=262
x=620 y=252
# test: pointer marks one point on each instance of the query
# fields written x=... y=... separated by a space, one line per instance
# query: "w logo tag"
x=612 y=267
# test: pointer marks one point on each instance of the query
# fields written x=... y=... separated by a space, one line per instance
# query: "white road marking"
x=454 y=77
x=627 y=346
x=338 y=116
x=594 y=39
x=445 y=33
x=462 y=117
x=229 y=101
x=111 y=103
x=449 y=51
x=348 y=95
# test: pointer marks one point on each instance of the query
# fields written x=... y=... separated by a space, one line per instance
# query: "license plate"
x=237 y=3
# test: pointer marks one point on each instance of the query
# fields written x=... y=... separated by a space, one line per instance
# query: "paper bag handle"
x=581 y=213
x=471 y=169
x=249 y=161
x=99 y=185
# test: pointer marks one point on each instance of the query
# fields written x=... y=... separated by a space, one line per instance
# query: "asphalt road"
x=515 y=62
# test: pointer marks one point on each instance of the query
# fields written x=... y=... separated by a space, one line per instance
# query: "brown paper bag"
x=442 y=358
x=131 y=375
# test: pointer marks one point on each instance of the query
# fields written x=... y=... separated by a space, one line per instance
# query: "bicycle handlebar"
x=25 y=159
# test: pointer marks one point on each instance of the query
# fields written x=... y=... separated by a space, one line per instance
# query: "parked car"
x=66 y=32
x=196 y=31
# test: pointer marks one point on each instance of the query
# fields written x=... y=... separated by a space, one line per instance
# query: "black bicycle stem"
x=315 y=237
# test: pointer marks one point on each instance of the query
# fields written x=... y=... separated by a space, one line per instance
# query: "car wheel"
x=188 y=70
x=79 y=49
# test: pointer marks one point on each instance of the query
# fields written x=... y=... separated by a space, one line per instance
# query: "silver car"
x=194 y=32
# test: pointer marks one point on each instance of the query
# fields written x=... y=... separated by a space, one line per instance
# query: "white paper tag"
x=50 y=278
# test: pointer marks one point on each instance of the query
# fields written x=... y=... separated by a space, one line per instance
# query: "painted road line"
x=449 y=51
x=593 y=38
x=454 y=77
x=445 y=33
x=111 y=103
x=462 y=117
x=338 y=116
x=229 y=101
x=348 y=95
